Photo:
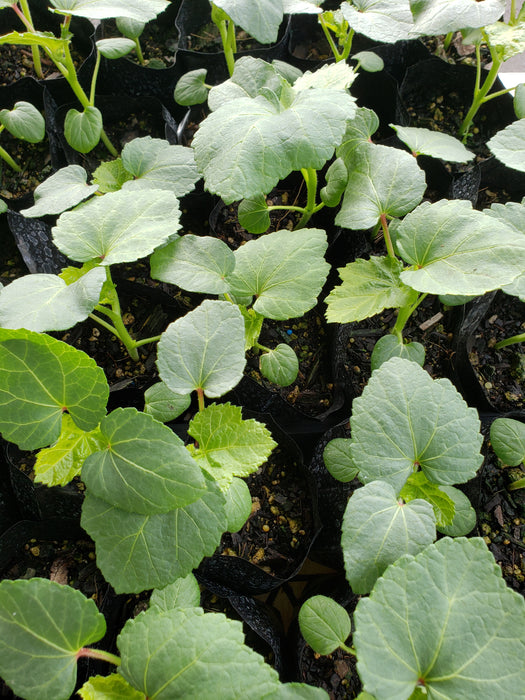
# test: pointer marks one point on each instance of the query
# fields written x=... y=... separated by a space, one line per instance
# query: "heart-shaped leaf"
x=404 y=420
x=378 y=529
x=203 y=350
x=391 y=346
x=110 y=176
x=83 y=129
x=43 y=626
x=191 y=88
x=42 y=378
x=254 y=214
x=336 y=179
x=118 y=227
x=163 y=404
x=359 y=130
x=324 y=624
x=144 y=468
x=465 y=648
x=280 y=365
x=336 y=456
x=115 y=47
x=24 y=121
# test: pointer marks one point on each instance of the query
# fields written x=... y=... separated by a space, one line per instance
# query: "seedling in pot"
x=83 y=130
x=403 y=652
x=24 y=122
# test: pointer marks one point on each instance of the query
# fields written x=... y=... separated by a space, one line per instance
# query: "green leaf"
x=46 y=39
x=40 y=379
x=507 y=39
x=144 y=467
x=391 y=346
x=381 y=180
x=368 y=287
x=369 y=61
x=336 y=456
x=508 y=145
x=254 y=214
x=335 y=75
x=324 y=624
x=435 y=17
x=105 y=9
x=83 y=129
x=519 y=101
x=231 y=143
x=163 y=404
x=112 y=687
x=250 y=76
x=157 y=165
x=418 y=486
x=24 y=121
x=381 y=20
x=433 y=143
x=43 y=625
x=238 y=504
x=57 y=465
x=182 y=593
x=464 y=520
x=203 y=350
x=115 y=47
x=118 y=227
x=454 y=249
x=336 y=179
x=285 y=270
x=513 y=215
x=261 y=20
x=3 y=206
x=507 y=436
x=164 y=654
x=129 y=27
x=359 y=130
x=64 y=189
x=296 y=691
x=43 y=302
x=280 y=365
x=228 y=445
x=191 y=89
x=111 y=176
x=378 y=529
x=195 y=263
x=136 y=552
x=465 y=649
x=405 y=419
x=252 y=326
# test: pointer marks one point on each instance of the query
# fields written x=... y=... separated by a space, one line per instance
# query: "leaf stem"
x=138 y=51
x=386 y=234
x=145 y=341
x=480 y=91
x=98 y=654
x=520 y=338
x=404 y=313
x=310 y=178
x=338 y=57
x=349 y=650
x=5 y=155
x=35 y=50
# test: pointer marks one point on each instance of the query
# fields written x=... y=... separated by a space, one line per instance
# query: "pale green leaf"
x=378 y=529
x=369 y=61
x=333 y=75
x=171 y=654
x=285 y=270
x=368 y=287
x=359 y=130
x=470 y=646
x=336 y=456
x=507 y=39
x=454 y=249
x=519 y=101
x=46 y=39
x=163 y=404
x=238 y=504
x=381 y=20
x=381 y=180
x=40 y=379
x=250 y=76
x=144 y=468
x=464 y=520
x=118 y=227
x=104 y=9
x=229 y=445
x=433 y=143
x=43 y=625
x=3 y=206
x=391 y=346
x=158 y=165
x=405 y=419
x=136 y=552
x=336 y=179
x=44 y=302
x=64 y=189
x=513 y=215
x=110 y=176
x=203 y=350
x=324 y=624
x=24 y=121
x=280 y=365
x=436 y=17
x=57 y=465
x=195 y=263
x=115 y=47
x=507 y=436
x=260 y=19
x=252 y=326
x=182 y=593
x=191 y=89
x=83 y=129
x=129 y=27
x=418 y=486
x=508 y=145
x=112 y=687
x=296 y=691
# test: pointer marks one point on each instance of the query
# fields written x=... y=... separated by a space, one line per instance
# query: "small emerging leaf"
x=163 y=404
x=112 y=687
x=254 y=214
x=191 y=88
x=391 y=346
x=110 y=176
x=182 y=593
x=115 y=47
x=464 y=520
x=418 y=486
x=337 y=460
x=280 y=365
x=324 y=624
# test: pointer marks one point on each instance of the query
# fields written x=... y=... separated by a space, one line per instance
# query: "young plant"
x=507 y=437
x=24 y=122
x=83 y=130
x=427 y=628
x=167 y=651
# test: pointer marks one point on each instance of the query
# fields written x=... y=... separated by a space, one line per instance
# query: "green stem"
x=386 y=234
x=510 y=341
x=138 y=51
x=94 y=79
x=338 y=57
x=225 y=29
x=145 y=341
x=404 y=313
x=310 y=178
x=5 y=155
x=480 y=92
x=258 y=346
x=232 y=40
x=347 y=46
x=499 y=93
x=513 y=19
x=115 y=315
x=200 y=397
x=35 y=51
x=98 y=654
x=519 y=484
x=101 y=321
x=349 y=650
x=447 y=41
x=23 y=18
